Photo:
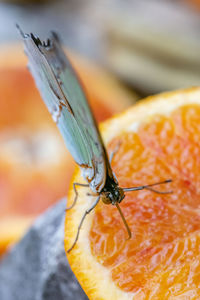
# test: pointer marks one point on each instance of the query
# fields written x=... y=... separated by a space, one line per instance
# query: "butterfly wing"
x=66 y=101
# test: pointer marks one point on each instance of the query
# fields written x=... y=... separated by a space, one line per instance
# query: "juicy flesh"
x=162 y=259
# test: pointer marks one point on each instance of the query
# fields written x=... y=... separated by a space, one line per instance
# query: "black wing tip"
x=38 y=42
x=26 y=35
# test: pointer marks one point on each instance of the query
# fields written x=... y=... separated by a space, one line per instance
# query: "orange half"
x=159 y=139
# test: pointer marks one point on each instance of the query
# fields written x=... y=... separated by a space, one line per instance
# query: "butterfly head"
x=112 y=194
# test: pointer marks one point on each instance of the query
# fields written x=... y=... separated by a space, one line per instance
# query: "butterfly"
x=64 y=96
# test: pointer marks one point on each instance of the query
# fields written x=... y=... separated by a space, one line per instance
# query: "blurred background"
x=151 y=44
x=122 y=50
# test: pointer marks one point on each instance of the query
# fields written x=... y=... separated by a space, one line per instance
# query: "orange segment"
x=159 y=139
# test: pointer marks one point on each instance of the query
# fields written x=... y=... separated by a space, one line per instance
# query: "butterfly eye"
x=105 y=198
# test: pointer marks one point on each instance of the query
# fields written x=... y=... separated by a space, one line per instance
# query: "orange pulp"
x=165 y=243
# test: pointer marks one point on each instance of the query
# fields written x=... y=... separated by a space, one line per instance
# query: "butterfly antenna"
x=124 y=221
x=149 y=187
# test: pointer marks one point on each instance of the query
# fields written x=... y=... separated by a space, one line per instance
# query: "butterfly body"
x=111 y=192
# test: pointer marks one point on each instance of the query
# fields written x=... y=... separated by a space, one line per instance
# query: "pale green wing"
x=66 y=101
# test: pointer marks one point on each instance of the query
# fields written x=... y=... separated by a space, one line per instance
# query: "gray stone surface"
x=37 y=268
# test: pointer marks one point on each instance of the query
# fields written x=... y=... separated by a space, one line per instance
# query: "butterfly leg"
x=81 y=222
x=76 y=193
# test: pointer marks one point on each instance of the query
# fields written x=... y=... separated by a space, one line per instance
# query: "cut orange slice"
x=159 y=139
x=35 y=167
